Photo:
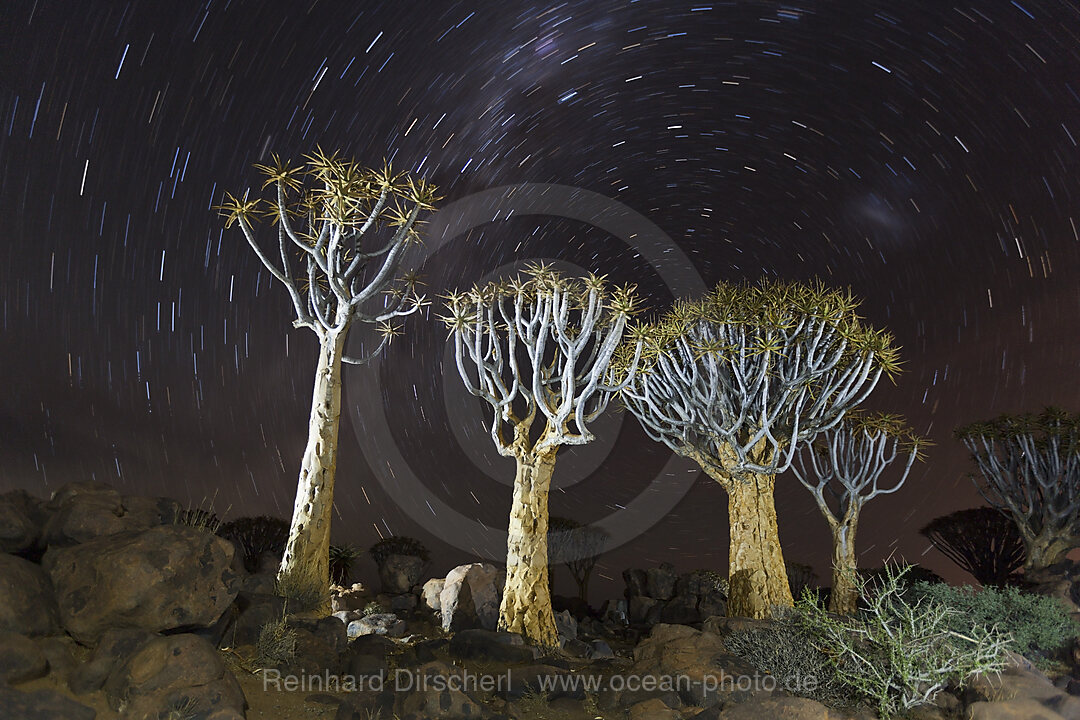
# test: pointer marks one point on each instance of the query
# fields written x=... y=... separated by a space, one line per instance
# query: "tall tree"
x=842 y=469
x=339 y=244
x=1030 y=468
x=984 y=541
x=539 y=348
x=735 y=381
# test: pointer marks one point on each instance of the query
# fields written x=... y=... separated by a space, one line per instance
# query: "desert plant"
x=907 y=574
x=397 y=545
x=842 y=469
x=255 y=536
x=984 y=541
x=576 y=546
x=1039 y=625
x=301 y=596
x=801 y=577
x=373 y=608
x=197 y=518
x=341 y=231
x=785 y=650
x=1030 y=468
x=276 y=644
x=341 y=559
x=900 y=652
x=737 y=382
x=540 y=347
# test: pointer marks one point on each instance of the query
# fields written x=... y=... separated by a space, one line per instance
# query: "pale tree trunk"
x=305 y=571
x=526 y=601
x=844 y=597
x=757 y=578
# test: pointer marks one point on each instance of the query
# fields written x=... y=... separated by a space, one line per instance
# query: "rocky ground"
x=109 y=609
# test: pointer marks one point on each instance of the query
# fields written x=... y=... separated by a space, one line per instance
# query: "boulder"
x=400 y=573
x=470 y=597
x=534 y=678
x=254 y=611
x=432 y=591
x=86 y=511
x=41 y=705
x=20 y=527
x=636 y=582
x=386 y=624
x=566 y=625
x=114 y=647
x=434 y=691
x=653 y=709
x=163 y=578
x=20 y=659
x=1011 y=710
x=788 y=708
x=660 y=582
x=170 y=673
x=27 y=603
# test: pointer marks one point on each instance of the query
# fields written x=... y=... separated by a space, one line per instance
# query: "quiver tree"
x=983 y=541
x=736 y=381
x=1030 y=468
x=539 y=348
x=842 y=468
x=341 y=231
x=576 y=546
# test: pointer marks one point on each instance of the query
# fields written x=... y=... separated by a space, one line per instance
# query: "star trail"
x=923 y=153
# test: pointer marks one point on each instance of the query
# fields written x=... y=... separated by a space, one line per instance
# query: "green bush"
x=900 y=651
x=276 y=645
x=341 y=559
x=1039 y=625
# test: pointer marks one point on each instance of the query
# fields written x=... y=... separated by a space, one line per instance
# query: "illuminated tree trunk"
x=1046 y=549
x=844 y=597
x=757 y=577
x=305 y=566
x=526 y=601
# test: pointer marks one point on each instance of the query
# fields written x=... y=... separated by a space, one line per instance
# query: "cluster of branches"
x=1030 y=468
x=543 y=343
x=332 y=275
x=739 y=378
x=983 y=541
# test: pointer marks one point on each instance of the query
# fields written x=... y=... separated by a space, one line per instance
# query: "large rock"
x=167 y=673
x=400 y=573
x=86 y=511
x=114 y=647
x=21 y=519
x=1011 y=710
x=491 y=646
x=470 y=597
x=1021 y=683
x=27 y=603
x=20 y=659
x=41 y=705
x=432 y=592
x=386 y=624
x=660 y=582
x=434 y=691
x=163 y=578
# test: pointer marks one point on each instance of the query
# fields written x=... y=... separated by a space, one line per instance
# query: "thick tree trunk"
x=526 y=601
x=757 y=577
x=305 y=571
x=844 y=597
x=1046 y=549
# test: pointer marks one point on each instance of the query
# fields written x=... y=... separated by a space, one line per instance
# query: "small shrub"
x=341 y=558
x=1039 y=625
x=398 y=545
x=254 y=536
x=900 y=651
x=787 y=651
x=373 y=608
x=801 y=577
x=276 y=644
x=197 y=518
x=301 y=593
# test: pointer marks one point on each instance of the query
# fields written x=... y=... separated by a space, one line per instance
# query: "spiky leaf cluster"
x=738 y=378
x=543 y=342
x=398 y=545
x=1029 y=466
x=341 y=230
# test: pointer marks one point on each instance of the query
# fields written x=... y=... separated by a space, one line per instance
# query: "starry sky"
x=923 y=153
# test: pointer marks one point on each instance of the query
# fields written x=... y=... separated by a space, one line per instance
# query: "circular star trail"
x=923 y=153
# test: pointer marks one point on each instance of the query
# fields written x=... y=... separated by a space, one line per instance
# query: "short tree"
x=540 y=347
x=842 y=469
x=984 y=541
x=736 y=381
x=1030 y=468
x=576 y=546
x=339 y=245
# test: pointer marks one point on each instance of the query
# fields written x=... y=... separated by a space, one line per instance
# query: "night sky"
x=924 y=153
